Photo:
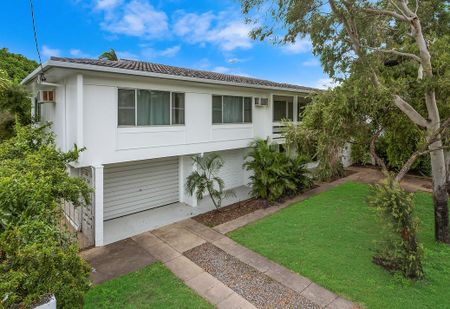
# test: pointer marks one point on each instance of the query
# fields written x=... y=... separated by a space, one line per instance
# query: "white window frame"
x=286 y=102
x=243 y=109
x=171 y=124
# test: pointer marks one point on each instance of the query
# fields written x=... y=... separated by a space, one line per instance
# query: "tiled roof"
x=174 y=72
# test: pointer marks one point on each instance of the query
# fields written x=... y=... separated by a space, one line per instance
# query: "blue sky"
x=202 y=34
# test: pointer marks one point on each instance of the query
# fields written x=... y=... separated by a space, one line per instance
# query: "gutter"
x=96 y=68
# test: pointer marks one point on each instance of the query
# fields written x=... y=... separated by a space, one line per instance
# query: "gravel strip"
x=253 y=285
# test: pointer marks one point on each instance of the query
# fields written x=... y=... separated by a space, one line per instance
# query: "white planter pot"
x=51 y=304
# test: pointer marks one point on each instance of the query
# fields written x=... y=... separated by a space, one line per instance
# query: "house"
x=141 y=123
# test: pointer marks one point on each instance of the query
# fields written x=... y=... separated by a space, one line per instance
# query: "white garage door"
x=136 y=186
x=232 y=172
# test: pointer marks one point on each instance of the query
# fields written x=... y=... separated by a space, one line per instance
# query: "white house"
x=141 y=123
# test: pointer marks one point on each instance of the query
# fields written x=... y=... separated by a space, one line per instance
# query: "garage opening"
x=137 y=186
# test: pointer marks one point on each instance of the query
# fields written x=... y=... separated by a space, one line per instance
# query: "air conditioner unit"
x=47 y=96
x=261 y=102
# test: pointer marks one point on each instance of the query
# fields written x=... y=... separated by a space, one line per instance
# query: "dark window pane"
x=177 y=108
x=279 y=110
x=232 y=109
x=247 y=109
x=126 y=107
x=217 y=109
x=290 y=114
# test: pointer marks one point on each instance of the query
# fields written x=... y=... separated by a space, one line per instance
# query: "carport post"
x=98 y=177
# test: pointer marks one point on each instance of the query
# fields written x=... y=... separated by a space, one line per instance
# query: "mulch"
x=228 y=213
x=253 y=285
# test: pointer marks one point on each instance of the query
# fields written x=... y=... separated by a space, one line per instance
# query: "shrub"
x=274 y=173
x=400 y=251
x=37 y=255
x=38 y=259
x=205 y=179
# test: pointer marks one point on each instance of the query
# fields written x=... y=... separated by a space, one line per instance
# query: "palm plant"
x=205 y=179
x=270 y=179
x=109 y=55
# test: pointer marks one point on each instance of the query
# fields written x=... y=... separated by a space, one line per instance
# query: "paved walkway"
x=171 y=244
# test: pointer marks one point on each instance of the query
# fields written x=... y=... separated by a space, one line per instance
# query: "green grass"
x=330 y=238
x=151 y=287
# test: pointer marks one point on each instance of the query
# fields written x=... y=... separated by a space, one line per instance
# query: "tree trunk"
x=440 y=196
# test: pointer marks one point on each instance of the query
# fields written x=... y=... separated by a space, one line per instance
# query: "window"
x=177 y=108
x=301 y=103
x=231 y=109
x=127 y=110
x=138 y=107
x=283 y=109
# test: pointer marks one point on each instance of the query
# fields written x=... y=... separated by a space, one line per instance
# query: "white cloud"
x=313 y=62
x=170 y=51
x=148 y=52
x=47 y=52
x=301 y=45
x=126 y=55
x=79 y=53
x=136 y=18
x=220 y=69
x=218 y=29
x=107 y=4
x=326 y=83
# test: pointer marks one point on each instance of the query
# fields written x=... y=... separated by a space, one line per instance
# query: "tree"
x=205 y=179
x=109 y=55
x=15 y=65
x=366 y=37
x=14 y=98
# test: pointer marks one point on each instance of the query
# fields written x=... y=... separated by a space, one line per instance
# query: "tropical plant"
x=109 y=55
x=274 y=174
x=205 y=179
x=390 y=57
x=400 y=251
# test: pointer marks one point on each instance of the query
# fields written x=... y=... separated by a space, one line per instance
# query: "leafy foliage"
x=15 y=65
x=109 y=55
x=33 y=178
x=274 y=173
x=15 y=100
x=37 y=255
x=205 y=179
x=37 y=259
x=400 y=250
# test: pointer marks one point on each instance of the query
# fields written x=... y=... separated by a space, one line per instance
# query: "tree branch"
x=373 y=152
x=423 y=150
x=385 y=13
x=395 y=52
x=410 y=112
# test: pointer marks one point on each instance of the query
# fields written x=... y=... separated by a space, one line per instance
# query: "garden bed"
x=230 y=212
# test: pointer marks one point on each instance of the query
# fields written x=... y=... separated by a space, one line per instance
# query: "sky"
x=201 y=34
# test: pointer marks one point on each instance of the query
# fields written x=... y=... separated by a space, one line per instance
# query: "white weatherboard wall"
x=106 y=143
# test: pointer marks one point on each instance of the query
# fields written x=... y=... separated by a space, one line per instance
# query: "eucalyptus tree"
x=364 y=38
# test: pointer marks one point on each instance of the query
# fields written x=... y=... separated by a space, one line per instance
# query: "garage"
x=133 y=187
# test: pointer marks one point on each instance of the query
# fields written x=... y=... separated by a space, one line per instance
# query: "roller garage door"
x=137 y=186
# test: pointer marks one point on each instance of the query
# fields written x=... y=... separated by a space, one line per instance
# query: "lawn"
x=151 y=287
x=330 y=238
